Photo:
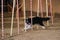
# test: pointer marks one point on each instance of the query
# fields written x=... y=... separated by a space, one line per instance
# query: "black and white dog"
x=36 y=20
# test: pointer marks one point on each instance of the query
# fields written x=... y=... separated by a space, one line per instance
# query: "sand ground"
x=38 y=35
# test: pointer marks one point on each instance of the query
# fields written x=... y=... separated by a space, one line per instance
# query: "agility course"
x=14 y=25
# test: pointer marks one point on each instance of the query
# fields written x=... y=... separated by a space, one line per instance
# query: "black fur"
x=37 y=20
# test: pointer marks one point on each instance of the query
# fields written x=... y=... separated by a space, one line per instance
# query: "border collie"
x=36 y=20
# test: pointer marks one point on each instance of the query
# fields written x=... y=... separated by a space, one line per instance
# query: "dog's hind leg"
x=42 y=25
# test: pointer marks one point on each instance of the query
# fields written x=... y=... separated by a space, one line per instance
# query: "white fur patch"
x=27 y=26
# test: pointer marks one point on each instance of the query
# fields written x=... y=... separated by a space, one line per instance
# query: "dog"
x=36 y=20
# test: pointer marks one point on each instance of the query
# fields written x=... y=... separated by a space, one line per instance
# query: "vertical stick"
x=31 y=12
x=38 y=9
x=41 y=8
x=12 y=18
x=24 y=14
x=17 y=17
x=51 y=11
x=47 y=11
x=2 y=19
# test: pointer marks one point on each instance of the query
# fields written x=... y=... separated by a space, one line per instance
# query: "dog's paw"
x=43 y=27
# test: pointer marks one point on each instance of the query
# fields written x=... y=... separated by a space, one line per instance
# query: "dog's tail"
x=46 y=18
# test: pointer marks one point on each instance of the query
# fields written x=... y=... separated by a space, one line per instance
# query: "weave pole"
x=12 y=18
x=24 y=14
x=17 y=17
x=51 y=11
x=2 y=19
x=41 y=8
x=38 y=8
x=47 y=11
x=31 y=12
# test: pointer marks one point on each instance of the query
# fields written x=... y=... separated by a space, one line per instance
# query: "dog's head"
x=27 y=21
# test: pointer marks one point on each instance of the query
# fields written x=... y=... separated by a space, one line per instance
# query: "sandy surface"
x=37 y=35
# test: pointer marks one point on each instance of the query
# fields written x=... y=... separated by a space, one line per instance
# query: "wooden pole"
x=51 y=11
x=24 y=13
x=2 y=19
x=12 y=18
x=31 y=12
x=41 y=8
x=38 y=8
x=17 y=17
x=47 y=11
